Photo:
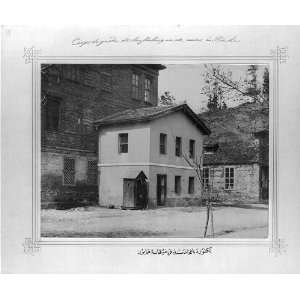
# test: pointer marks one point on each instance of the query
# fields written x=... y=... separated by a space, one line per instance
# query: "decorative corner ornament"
x=281 y=53
x=30 y=53
x=278 y=247
x=30 y=247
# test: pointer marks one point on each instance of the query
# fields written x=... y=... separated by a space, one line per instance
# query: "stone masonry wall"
x=246 y=183
x=54 y=192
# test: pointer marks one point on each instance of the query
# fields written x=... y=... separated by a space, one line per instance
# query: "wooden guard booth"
x=135 y=192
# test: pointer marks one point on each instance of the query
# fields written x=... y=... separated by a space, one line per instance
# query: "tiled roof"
x=233 y=152
x=146 y=114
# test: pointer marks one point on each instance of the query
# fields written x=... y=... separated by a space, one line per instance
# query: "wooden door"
x=128 y=192
x=161 y=189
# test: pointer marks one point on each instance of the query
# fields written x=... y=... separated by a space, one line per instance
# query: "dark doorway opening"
x=264 y=184
x=161 y=189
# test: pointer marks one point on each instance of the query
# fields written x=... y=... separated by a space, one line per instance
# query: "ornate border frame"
x=276 y=57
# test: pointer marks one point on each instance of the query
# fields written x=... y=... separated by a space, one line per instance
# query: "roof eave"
x=183 y=107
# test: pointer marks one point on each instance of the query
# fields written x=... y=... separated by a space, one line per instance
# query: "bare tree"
x=196 y=163
x=220 y=87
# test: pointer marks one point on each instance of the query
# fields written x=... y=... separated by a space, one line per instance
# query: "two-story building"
x=72 y=97
x=141 y=157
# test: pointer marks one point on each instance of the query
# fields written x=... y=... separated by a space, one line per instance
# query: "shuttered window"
x=69 y=171
x=92 y=172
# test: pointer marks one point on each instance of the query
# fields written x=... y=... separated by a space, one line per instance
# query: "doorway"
x=264 y=184
x=129 y=192
x=135 y=192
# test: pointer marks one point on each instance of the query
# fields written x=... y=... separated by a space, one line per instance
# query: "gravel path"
x=229 y=222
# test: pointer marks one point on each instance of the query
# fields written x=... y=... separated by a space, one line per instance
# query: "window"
x=192 y=149
x=191 y=185
x=178 y=146
x=123 y=143
x=163 y=143
x=52 y=114
x=205 y=178
x=71 y=72
x=106 y=81
x=177 y=184
x=147 y=97
x=92 y=172
x=229 y=178
x=135 y=86
x=69 y=171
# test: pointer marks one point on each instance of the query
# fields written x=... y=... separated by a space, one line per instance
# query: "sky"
x=184 y=82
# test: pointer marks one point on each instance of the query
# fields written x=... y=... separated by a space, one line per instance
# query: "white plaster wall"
x=111 y=183
x=121 y=165
x=176 y=124
x=138 y=144
x=172 y=197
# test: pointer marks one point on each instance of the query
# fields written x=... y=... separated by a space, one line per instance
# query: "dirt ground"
x=229 y=222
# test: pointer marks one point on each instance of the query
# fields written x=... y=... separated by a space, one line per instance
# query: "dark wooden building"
x=72 y=97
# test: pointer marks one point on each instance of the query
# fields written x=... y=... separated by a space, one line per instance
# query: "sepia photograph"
x=154 y=151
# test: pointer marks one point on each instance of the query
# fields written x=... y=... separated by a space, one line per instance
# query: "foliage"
x=167 y=99
x=265 y=87
x=221 y=89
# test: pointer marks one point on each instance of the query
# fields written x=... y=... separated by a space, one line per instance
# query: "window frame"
x=164 y=145
x=121 y=144
x=136 y=88
x=148 y=89
x=177 y=184
x=191 y=191
x=192 y=153
x=178 y=138
x=72 y=172
x=230 y=178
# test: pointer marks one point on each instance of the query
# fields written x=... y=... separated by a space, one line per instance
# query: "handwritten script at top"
x=78 y=42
